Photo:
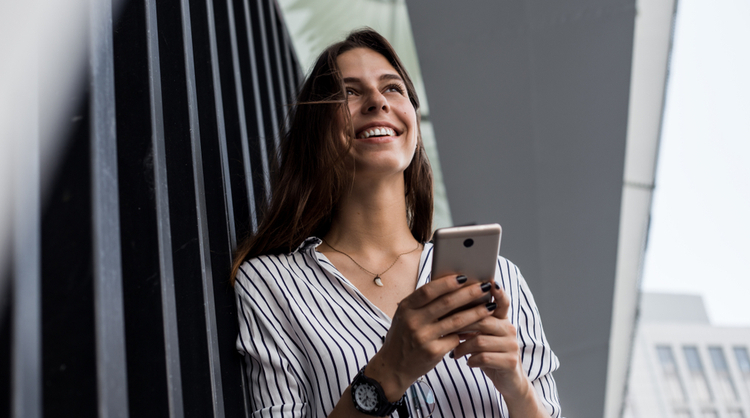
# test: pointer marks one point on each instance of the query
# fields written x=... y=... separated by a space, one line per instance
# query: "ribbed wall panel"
x=123 y=301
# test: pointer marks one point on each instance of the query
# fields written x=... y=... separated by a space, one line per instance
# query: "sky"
x=699 y=239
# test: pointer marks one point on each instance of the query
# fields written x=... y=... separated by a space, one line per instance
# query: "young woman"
x=338 y=314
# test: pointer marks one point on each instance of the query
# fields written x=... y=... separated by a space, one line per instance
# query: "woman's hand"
x=493 y=347
x=420 y=337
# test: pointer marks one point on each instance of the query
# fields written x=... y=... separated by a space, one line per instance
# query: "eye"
x=350 y=91
x=395 y=87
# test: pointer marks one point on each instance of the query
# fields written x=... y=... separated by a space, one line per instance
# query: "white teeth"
x=377 y=132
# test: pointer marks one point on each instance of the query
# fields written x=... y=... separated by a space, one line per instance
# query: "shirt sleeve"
x=536 y=354
x=275 y=383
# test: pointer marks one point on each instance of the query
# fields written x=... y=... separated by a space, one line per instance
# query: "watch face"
x=366 y=397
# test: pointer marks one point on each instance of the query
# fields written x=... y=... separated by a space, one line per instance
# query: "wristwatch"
x=369 y=398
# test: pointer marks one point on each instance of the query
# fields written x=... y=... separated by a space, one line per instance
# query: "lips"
x=377 y=132
x=377 y=129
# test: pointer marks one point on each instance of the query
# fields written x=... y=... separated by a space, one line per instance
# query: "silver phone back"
x=468 y=250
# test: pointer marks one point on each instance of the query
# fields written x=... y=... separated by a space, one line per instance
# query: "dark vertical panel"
x=235 y=126
x=221 y=140
x=218 y=209
x=214 y=360
x=298 y=71
x=275 y=60
x=287 y=59
x=254 y=109
x=164 y=234
x=140 y=251
x=268 y=99
x=5 y=342
x=197 y=393
x=108 y=305
x=68 y=367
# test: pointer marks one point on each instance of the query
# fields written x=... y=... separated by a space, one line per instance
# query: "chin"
x=381 y=168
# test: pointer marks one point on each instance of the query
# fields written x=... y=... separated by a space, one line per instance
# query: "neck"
x=372 y=218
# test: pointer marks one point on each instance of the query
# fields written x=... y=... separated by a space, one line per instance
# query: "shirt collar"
x=310 y=242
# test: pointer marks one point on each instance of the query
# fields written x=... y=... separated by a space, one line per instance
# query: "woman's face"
x=384 y=120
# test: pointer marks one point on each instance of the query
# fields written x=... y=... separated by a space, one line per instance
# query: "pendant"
x=377 y=281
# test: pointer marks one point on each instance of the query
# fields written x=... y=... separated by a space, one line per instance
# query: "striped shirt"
x=305 y=332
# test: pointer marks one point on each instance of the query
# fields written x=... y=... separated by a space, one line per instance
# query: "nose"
x=376 y=101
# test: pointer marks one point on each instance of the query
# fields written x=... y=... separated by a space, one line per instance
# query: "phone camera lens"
x=468 y=242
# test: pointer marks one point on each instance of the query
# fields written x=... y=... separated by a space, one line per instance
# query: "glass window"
x=735 y=413
x=726 y=386
x=743 y=360
x=718 y=359
x=673 y=384
x=697 y=375
x=681 y=413
x=693 y=359
x=709 y=413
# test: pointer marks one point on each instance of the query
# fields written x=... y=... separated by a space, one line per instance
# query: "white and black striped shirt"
x=305 y=332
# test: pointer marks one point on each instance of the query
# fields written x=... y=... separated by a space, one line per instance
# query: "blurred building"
x=684 y=367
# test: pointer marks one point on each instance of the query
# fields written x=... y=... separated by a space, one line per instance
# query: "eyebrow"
x=387 y=76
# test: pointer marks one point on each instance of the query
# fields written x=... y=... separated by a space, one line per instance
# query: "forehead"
x=363 y=63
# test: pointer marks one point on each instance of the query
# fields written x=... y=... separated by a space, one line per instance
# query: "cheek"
x=343 y=120
x=414 y=125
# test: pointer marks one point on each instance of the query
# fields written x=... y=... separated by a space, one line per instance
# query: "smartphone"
x=468 y=250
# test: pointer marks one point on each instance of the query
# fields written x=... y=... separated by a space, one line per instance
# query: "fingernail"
x=451 y=354
x=497 y=286
x=491 y=306
x=461 y=279
x=486 y=286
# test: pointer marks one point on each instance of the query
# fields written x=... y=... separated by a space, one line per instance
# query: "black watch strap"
x=383 y=407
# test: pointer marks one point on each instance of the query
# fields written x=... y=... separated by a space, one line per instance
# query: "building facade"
x=684 y=367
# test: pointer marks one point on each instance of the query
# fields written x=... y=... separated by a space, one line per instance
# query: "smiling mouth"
x=376 y=132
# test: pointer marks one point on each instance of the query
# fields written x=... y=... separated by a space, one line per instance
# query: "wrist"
x=393 y=384
x=515 y=386
x=519 y=392
x=524 y=402
x=369 y=398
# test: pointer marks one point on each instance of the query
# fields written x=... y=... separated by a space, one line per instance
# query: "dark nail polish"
x=491 y=306
x=486 y=287
x=451 y=354
x=461 y=279
x=497 y=286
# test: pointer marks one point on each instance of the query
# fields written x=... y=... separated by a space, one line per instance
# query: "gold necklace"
x=376 y=279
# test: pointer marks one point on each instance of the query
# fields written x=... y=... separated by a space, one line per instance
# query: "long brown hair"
x=313 y=175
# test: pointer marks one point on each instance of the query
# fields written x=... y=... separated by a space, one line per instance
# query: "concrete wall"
x=529 y=100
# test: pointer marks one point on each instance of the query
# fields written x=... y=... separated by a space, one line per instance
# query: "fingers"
x=465 y=321
x=461 y=299
x=503 y=361
x=502 y=300
x=433 y=290
x=468 y=320
x=482 y=345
